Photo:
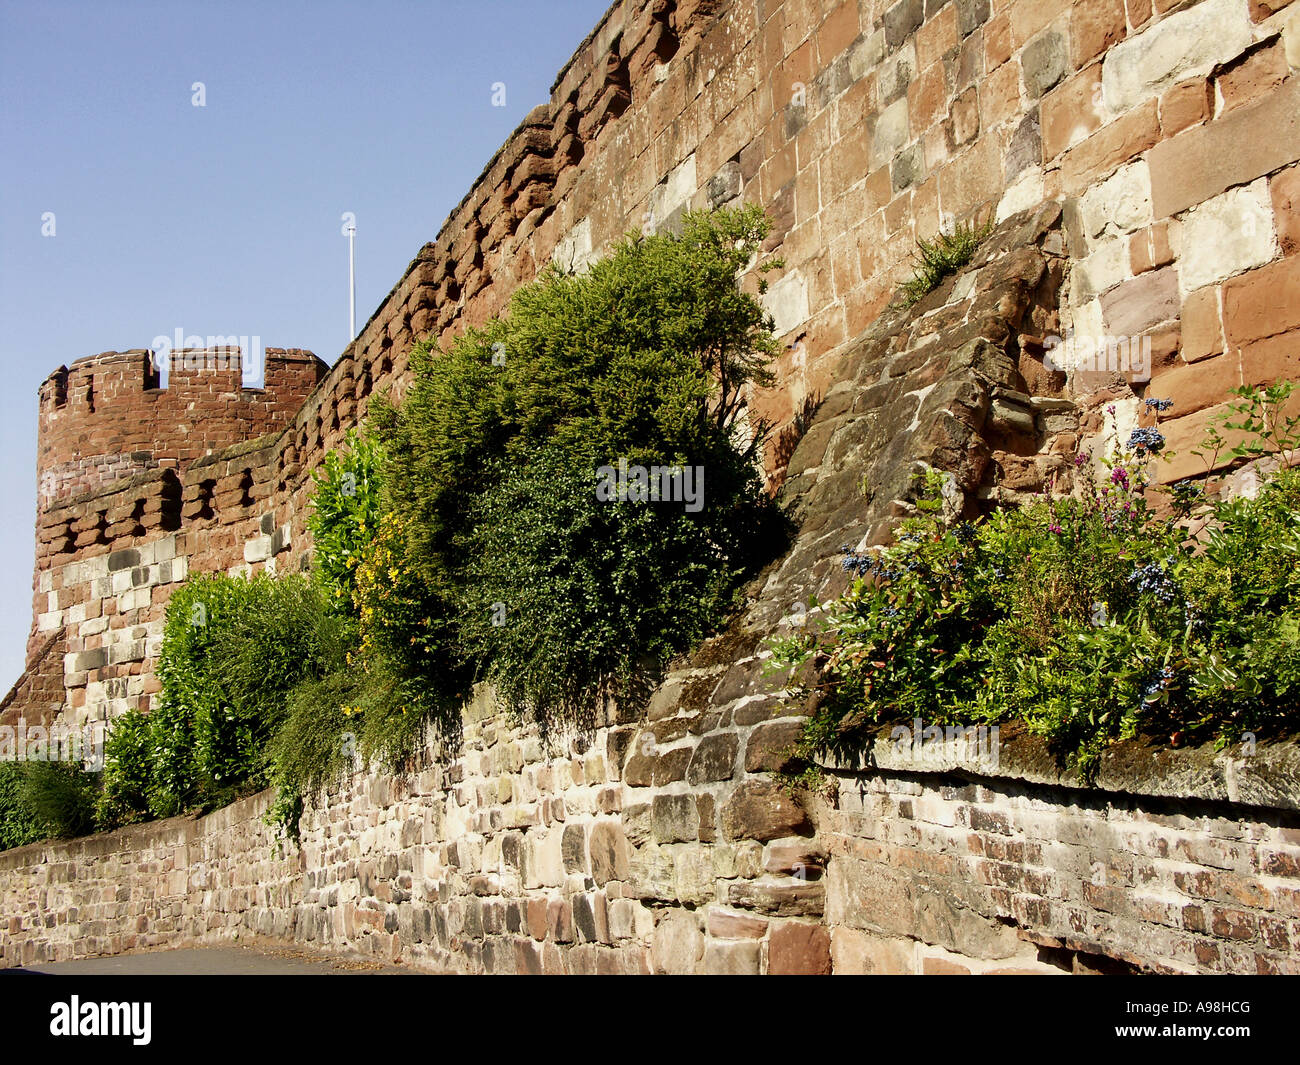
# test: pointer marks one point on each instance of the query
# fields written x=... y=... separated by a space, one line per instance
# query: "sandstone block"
x=763 y=810
x=1045 y=61
x=798 y=948
x=1233 y=150
x=1201 y=324
x=1284 y=188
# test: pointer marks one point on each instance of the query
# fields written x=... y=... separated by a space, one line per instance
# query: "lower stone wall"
x=958 y=877
x=519 y=857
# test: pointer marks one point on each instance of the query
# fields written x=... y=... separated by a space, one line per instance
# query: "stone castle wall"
x=663 y=841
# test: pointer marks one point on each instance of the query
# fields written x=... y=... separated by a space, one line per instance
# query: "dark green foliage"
x=566 y=596
x=644 y=357
x=492 y=463
x=313 y=747
x=59 y=798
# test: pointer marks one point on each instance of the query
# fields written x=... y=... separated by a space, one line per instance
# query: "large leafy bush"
x=556 y=595
x=233 y=650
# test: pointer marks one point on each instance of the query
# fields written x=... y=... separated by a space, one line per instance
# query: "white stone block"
x=164 y=550
x=573 y=252
x=1027 y=192
x=674 y=191
x=786 y=301
x=891 y=133
x=93 y=627
x=1188 y=43
x=1227 y=235
x=1121 y=203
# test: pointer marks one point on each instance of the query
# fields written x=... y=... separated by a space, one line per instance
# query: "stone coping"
x=1268 y=777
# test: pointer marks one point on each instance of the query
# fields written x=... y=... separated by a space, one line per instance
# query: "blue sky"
x=225 y=219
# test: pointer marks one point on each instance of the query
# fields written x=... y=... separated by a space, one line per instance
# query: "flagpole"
x=352 y=282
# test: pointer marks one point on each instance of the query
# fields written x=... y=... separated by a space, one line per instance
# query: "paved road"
x=215 y=961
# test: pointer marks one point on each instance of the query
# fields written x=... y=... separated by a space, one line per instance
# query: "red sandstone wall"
x=860 y=126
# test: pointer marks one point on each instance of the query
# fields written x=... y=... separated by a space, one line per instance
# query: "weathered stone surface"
x=762 y=810
x=799 y=949
x=778 y=897
x=608 y=848
x=1227 y=235
x=1045 y=61
x=1238 y=148
x=714 y=758
x=770 y=746
x=678 y=944
x=1135 y=306
x=675 y=818
x=1188 y=42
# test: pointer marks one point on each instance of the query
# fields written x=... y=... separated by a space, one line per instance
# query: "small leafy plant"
x=944 y=255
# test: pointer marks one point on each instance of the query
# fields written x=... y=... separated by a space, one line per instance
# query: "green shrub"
x=346 y=508
x=60 y=796
x=944 y=255
x=232 y=651
x=1090 y=619
x=313 y=747
x=19 y=824
x=124 y=798
x=566 y=596
x=645 y=359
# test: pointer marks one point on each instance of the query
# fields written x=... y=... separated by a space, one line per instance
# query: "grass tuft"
x=946 y=254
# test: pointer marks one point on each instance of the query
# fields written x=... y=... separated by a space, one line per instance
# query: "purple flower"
x=1119 y=475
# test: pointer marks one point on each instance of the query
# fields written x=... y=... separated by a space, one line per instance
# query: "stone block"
x=674 y=818
x=677 y=945
x=713 y=759
x=902 y=20
x=1227 y=235
x=1189 y=42
x=857 y=953
x=727 y=958
x=608 y=848
x=1284 y=187
x=1233 y=150
x=1070 y=113
x=729 y=924
x=797 y=948
x=1135 y=306
x=1044 y=62
x=1202 y=326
